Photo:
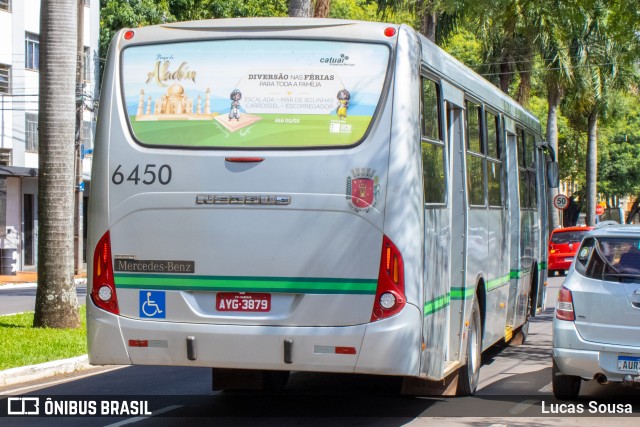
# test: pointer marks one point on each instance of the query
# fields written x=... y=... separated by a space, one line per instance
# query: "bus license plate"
x=628 y=363
x=243 y=301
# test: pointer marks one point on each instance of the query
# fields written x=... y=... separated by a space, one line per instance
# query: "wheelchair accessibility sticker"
x=152 y=304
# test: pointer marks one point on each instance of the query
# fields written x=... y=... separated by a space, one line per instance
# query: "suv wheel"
x=565 y=387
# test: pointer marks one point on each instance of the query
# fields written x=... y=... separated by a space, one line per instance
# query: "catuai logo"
x=363 y=189
x=341 y=60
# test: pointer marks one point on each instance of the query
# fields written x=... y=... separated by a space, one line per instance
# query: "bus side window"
x=526 y=170
x=530 y=144
x=433 y=159
x=475 y=155
x=474 y=142
x=523 y=180
x=494 y=162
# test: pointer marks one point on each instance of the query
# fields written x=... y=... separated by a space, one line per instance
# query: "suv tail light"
x=103 y=291
x=390 y=298
x=564 y=306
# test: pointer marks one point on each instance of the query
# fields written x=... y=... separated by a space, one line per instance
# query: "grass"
x=307 y=130
x=22 y=345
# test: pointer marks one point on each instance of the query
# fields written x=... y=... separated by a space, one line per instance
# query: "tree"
x=118 y=14
x=605 y=60
x=428 y=14
x=322 y=8
x=190 y=10
x=619 y=158
x=551 y=21
x=300 y=8
x=56 y=301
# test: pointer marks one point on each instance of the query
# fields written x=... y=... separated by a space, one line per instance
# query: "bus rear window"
x=238 y=94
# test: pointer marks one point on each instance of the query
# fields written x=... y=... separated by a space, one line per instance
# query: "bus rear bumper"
x=389 y=347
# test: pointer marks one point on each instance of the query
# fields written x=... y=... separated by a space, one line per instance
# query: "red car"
x=563 y=245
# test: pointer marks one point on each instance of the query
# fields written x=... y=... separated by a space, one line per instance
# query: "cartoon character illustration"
x=343 y=103
x=234 y=112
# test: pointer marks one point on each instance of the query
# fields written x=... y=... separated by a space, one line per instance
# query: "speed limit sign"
x=561 y=202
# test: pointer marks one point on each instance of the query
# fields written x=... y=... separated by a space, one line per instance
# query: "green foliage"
x=247 y=8
x=571 y=143
x=619 y=159
x=465 y=47
x=118 y=14
x=24 y=345
x=360 y=10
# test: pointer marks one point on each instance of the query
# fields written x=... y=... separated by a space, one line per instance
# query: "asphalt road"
x=21 y=298
x=514 y=384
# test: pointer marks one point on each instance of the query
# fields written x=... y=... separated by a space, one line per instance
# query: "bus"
x=272 y=195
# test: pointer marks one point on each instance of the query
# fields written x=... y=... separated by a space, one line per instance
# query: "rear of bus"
x=239 y=197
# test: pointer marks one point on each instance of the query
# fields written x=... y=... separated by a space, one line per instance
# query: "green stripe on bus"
x=462 y=293
x=436 y=304
x=542 y=265
x=498 y=282
x=519 y=274
x=247 y=284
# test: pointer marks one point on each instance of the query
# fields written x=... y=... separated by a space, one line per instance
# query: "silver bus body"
x=184 y=227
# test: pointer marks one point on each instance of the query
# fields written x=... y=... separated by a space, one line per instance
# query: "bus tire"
x=469 y=374
x=522 y=332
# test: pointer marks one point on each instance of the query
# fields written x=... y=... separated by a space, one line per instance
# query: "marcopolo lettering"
x=236 y=199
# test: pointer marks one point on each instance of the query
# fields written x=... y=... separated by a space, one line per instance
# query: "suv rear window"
x=610 y=258
x=239 y=94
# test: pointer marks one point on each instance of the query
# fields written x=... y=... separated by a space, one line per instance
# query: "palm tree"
x=56 y=301
x=551 y=22
x=604 y=64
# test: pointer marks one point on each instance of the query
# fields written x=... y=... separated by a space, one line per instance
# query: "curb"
x=24 y=374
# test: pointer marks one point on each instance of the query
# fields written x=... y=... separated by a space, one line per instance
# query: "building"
x=19 y=64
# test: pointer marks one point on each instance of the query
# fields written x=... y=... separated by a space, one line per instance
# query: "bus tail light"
x=390 y=298
x=564 y=306
x=103 y=291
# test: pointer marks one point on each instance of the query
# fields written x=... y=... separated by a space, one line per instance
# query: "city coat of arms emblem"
x=362 y=189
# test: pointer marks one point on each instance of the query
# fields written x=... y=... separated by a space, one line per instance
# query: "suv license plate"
x=628 y=363
x=243 y=301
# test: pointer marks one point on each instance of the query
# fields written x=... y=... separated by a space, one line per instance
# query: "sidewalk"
x=25 y=374
x=20 y=277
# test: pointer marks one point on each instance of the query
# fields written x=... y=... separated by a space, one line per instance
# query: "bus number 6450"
x=149 y=176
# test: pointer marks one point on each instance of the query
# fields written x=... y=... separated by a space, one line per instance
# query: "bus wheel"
x=469 y=374
x=520 y=337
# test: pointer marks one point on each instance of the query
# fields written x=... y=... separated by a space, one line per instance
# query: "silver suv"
x=596 y=328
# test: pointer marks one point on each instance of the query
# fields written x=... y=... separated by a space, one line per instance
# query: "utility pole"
x=79 y=184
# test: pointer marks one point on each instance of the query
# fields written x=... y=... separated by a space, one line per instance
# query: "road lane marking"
x=522 y=406
x=546 y=389
x=136 y=419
